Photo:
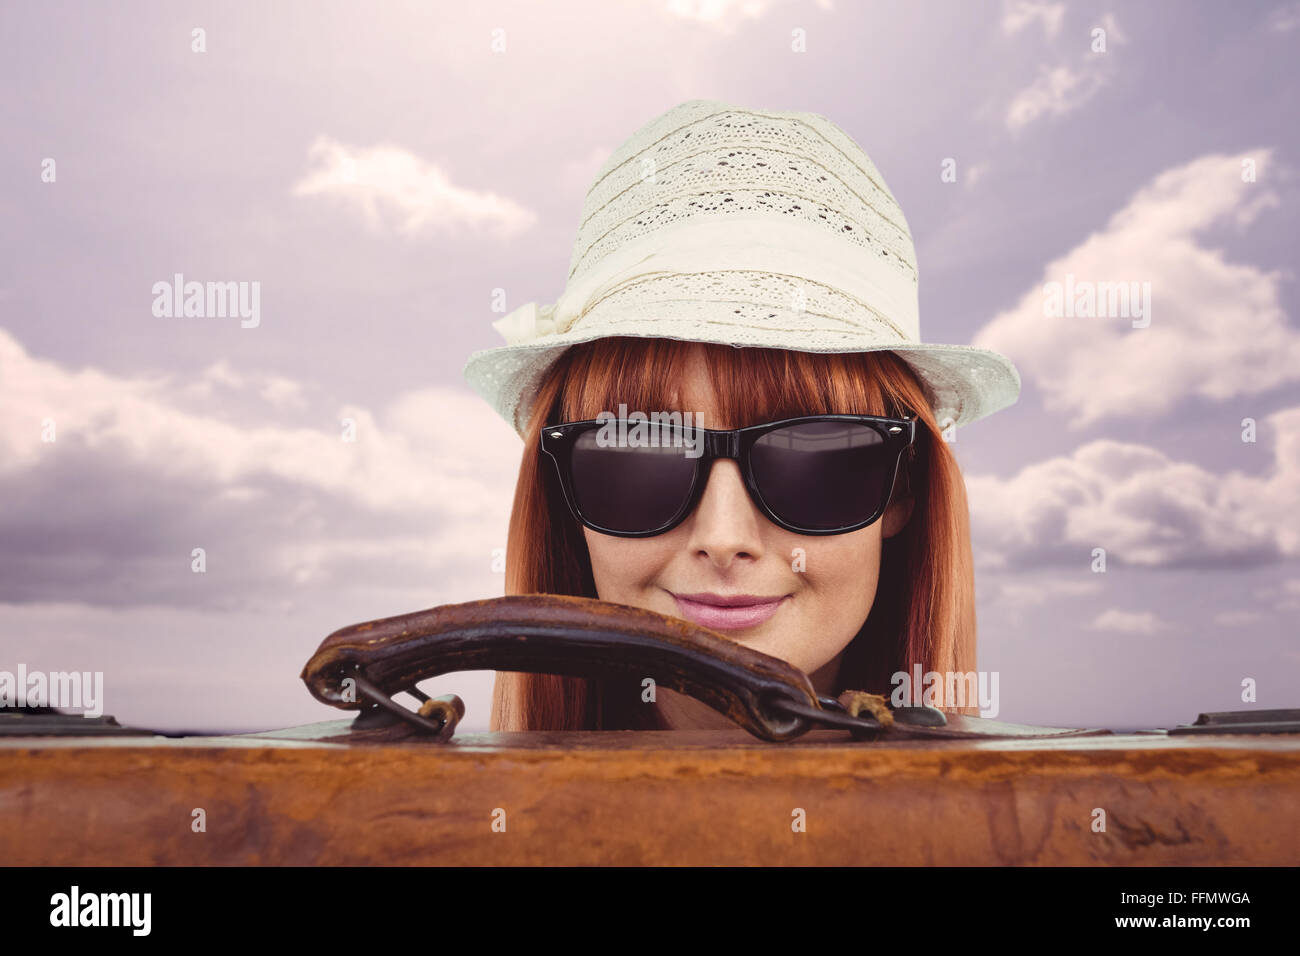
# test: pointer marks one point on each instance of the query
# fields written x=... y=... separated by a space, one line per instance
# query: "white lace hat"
x=746 y=227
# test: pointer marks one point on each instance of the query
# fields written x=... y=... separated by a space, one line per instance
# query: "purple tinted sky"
x=470 y=167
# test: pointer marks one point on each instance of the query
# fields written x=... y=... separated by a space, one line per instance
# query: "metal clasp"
x=437 y=716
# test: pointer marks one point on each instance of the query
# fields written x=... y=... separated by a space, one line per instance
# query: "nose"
x=725 y=525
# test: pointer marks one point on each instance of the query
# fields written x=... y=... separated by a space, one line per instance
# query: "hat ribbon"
x=529 y=323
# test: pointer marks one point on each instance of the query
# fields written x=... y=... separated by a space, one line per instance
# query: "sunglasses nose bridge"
x=721 y=444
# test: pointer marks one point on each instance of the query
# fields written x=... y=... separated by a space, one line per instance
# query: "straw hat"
x=752 y=228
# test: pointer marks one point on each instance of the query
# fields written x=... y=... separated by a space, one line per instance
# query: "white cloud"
x=1054 y=92
x=282 y=392
x=1284 y=596
x=1217 y=328
x=725 y=14
x=1128 y=622
x=276 y=390
x=1018 y=14
x=1113 y=32
x=220 y=373
x=136 y=477
x=387 y=183
x=1031 y=593
x=1285 y=18
x=1061 y=89
x=1142 y=507
x=389 y=467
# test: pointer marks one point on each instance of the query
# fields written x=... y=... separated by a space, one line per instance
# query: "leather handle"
x=573 y=636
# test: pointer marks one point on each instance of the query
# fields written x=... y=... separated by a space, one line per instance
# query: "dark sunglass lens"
x=823 y=475
x=639 y=485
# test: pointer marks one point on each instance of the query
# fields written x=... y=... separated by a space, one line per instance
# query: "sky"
x=389 y=173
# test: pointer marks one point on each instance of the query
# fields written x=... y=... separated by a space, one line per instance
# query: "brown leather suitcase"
x=814 y=783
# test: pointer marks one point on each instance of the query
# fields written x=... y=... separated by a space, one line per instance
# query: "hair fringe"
x=924 y=609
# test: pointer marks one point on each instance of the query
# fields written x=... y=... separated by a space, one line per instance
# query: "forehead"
x=692 y=390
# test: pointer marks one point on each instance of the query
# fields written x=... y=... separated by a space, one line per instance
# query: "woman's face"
x=727 y=548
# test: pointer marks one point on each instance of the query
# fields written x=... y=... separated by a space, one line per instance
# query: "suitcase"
x=801 y=780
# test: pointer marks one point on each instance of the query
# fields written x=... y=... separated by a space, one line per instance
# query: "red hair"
x=924 y=609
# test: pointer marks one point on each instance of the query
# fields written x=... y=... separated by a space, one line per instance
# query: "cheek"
x=624 y=569
x=840 y=579
x=839 y=564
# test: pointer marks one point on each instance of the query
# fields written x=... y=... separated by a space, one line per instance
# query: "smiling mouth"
x=727 y=612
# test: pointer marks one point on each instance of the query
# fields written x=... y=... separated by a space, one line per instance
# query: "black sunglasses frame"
x=557 y=441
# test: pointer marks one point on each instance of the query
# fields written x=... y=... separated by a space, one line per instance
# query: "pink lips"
x=727 y=612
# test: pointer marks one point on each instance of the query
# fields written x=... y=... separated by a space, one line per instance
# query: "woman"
x=750 y=268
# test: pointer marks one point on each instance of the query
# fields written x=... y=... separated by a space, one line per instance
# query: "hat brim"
x=962 y=383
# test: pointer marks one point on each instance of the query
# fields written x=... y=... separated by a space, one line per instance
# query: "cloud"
x=1142 y=507
x=1113 y=32
x=1058 y=90
x=1127 y=622
x=1281 y=596
x=1217 y=328
x=282 y=392
x=140 y=473
x=1285 y=18
x=391 y=187
x=1018 y=14
x=1054 y=92
x=724 y=15
x=275 y=390
x=1020 y=594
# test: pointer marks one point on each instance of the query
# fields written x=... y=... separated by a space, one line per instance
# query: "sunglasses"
x=817 y=474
